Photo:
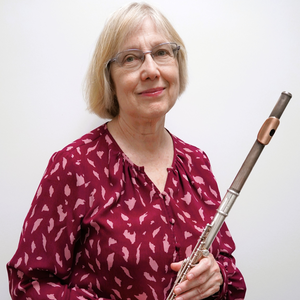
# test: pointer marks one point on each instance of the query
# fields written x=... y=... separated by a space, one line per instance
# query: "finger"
x=192 y=284
x=201 y=279
x=194 y=290
x=206 y=265
x=176 y=266
x=196 y=276
x=202 y=292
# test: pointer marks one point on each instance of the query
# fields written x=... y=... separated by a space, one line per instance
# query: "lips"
x=153 y=91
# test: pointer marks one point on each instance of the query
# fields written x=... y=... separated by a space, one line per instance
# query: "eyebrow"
x=152 y=45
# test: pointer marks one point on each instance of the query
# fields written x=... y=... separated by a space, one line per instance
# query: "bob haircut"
x=99 y=88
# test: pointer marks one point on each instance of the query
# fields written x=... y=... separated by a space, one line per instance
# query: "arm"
x=43 y=264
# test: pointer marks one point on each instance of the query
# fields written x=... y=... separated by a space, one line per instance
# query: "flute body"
x=208 y=235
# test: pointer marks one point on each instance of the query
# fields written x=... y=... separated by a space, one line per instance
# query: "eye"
x=162 y=52
x=129 y=58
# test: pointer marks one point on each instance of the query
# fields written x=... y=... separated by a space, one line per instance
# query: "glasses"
x=132 y=59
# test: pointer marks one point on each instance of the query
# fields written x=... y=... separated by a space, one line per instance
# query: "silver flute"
x=208 y=235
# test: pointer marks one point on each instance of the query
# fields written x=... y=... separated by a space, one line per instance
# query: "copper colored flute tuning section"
x=267 y=130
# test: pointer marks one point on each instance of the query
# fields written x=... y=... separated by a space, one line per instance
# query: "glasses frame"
x=115 y=59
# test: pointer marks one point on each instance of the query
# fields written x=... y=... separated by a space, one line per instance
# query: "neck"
x=148 y=135
x=148 y=145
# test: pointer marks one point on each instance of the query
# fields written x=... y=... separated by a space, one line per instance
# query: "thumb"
x=176 y=266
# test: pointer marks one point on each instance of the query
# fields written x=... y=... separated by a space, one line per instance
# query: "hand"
x=203 y=280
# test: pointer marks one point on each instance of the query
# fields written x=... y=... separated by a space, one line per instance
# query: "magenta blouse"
x=98 y=228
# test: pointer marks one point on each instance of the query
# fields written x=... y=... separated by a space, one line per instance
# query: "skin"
x=202 y=281
x=145 y=96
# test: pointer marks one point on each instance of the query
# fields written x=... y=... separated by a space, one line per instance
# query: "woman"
x=119 y=209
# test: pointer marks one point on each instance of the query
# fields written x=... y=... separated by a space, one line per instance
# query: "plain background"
x=242 y=55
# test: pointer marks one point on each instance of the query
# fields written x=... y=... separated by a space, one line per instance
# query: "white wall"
x=242 y=55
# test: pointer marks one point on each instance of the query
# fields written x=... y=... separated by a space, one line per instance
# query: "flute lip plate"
x=267 y=130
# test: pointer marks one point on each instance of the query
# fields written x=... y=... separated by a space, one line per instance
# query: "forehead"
x=143 y=36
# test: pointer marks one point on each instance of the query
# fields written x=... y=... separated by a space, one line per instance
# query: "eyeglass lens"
x=133 y=58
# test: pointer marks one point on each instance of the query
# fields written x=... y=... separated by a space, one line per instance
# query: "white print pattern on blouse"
x=100 y=228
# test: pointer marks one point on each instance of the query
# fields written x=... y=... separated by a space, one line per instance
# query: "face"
x=149 y=92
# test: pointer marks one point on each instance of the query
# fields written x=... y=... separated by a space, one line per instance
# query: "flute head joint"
x=267 y=130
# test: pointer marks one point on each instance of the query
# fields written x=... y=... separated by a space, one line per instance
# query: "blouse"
x=98 y=228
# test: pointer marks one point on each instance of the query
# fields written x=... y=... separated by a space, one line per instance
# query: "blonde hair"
x=99 y=88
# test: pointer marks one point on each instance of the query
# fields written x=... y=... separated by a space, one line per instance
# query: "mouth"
x=152 y=92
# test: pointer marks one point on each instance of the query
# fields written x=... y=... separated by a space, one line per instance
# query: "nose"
x=149 y=68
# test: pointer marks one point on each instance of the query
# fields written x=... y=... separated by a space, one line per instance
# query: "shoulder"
x=195 y=165
x=88 y=140
x=190 y=152
x=71 y=155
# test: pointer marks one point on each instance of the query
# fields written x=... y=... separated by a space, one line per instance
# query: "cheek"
x=174 y=80
x=115 y=80
x=173 y=74
x=123 y=83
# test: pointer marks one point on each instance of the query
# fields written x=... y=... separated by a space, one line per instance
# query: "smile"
x=152 y=92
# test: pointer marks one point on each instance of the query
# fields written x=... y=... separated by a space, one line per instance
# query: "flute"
x=208 y=235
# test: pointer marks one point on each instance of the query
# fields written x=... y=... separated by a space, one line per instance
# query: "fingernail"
x=177 y=291
x=190 y=276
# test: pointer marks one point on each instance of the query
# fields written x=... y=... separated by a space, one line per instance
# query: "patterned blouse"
x=98 y=228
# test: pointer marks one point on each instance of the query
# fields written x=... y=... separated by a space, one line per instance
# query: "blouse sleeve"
x=43 y=261
x=233 y=287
